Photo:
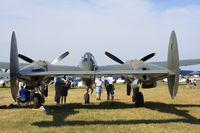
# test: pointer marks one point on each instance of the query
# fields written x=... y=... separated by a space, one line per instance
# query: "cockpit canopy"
x=88 y=57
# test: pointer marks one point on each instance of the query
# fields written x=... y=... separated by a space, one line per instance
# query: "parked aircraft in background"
x=181 y=79
x=38 y=74
x=4 y=77
x=185 y=72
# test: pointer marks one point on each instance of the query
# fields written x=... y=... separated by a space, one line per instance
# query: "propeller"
x=148 y=57
x=113 y=57
x=25 y=58
x=60 y=57
x=14 y=67
x=29 y=60
x=121 y=62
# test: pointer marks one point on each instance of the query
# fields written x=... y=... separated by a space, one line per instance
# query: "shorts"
x=110 y=90
x=64 y=91
x=98 y=89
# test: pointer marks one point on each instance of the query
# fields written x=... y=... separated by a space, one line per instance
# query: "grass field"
x=160 y=114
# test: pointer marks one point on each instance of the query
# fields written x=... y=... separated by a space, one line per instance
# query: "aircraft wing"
x=4 y=74
x=182 y=62
x=189 y=62
x=63 y=68
x=100 y=73
x=6 y=65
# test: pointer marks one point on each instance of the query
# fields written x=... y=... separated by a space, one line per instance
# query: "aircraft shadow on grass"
x=61 y=113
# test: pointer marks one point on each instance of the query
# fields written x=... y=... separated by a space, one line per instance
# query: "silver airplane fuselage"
x=88 y=63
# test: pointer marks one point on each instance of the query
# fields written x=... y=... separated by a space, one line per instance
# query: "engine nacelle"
x=149 y=84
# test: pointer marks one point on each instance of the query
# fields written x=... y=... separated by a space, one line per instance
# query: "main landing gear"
x=37 y=100
x=137 y=96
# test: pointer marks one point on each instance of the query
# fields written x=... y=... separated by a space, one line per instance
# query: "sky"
x=130 y=29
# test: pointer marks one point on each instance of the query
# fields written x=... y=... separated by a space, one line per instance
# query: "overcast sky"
x=130 y=29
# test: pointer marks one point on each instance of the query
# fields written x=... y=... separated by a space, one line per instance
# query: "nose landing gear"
x=137 y=96
x=87 y=96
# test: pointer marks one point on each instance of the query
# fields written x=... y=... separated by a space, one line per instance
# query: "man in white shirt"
x=99 y=90
x=109 y=84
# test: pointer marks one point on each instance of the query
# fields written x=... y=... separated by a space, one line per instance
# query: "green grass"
x=160 y=114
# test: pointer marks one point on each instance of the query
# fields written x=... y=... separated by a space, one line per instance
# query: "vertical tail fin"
x=14 y=66
x=173 y=65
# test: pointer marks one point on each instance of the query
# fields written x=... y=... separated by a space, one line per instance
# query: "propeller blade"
x=14 y=68
x=113 y=57
x=147 y=57
x=25 y=58
x=14 y=87
x=6 y=70
x=60 y=57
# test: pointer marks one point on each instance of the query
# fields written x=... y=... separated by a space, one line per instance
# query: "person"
x=23 y=92
x=194 y=83
x=187 y=81
x=109 y=85
x=4 y=85
x=99 y=90
x=58 y=87
x=64 y=90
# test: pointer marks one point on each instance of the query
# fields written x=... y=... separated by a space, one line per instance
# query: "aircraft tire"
x=139 y=100
x=46 y=91
x=128 y=90
x=87 y=98
x=37 y=101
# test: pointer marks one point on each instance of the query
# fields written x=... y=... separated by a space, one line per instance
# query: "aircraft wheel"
x=128 y=89
x=139 y=100
x=37 y=101
x=87 y=98
x=46 y=91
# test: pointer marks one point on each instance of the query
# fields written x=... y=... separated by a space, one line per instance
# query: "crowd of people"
x=191 y=83
x=109 y=85
x=63 y=84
